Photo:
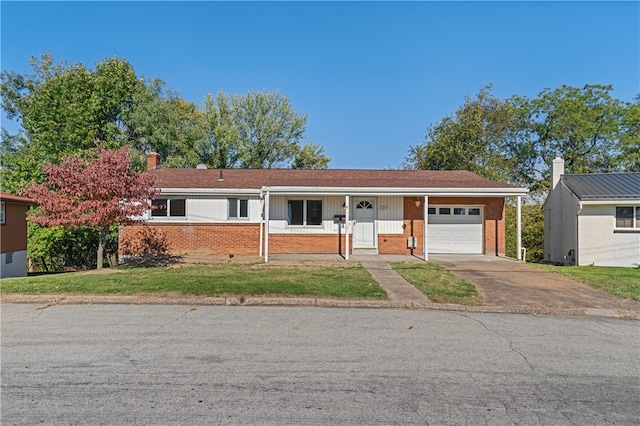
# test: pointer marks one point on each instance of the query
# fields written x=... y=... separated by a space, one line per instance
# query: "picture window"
x=304 y=212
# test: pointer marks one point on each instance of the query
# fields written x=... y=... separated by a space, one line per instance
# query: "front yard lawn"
x=624 y=282
x=211 y=280
x=437 y=283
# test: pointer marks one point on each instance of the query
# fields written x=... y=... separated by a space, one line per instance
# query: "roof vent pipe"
x=221 y=178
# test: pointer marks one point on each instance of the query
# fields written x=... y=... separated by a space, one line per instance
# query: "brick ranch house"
x=220 y=212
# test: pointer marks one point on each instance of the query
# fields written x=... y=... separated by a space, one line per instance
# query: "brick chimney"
x=153 y=161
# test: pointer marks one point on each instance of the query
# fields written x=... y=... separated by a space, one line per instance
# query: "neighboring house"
x=592 y=219
x=13 y=235
x=220 y=212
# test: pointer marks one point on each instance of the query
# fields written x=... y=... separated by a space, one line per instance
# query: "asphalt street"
x=156 y=365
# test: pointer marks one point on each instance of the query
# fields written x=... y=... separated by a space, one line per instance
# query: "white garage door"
x=455 y=229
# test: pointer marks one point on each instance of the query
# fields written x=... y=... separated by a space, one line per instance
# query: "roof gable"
x=605 y=186
x=322 y=178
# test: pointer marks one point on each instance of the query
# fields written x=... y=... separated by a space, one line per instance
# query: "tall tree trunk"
x=102 y=241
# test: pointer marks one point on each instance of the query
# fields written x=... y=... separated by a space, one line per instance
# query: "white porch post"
x=266 y=227
x=425 y=249
x=346 y=227
x=261 y=222
x=519 y=227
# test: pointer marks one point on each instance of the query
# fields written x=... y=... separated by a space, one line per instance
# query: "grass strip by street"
x=436 y=283
x=623 y=282
x=211 y=280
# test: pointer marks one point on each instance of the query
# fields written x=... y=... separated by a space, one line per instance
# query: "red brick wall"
x=299 y=243
x=213 y=239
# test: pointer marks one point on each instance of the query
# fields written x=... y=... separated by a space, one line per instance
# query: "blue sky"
x=370 y=75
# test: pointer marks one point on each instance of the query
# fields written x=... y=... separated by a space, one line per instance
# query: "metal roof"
x=606 y=186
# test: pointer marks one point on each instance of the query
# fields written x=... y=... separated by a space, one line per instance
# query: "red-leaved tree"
x=92 y=193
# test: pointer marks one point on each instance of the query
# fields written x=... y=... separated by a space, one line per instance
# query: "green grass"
x=436 y=283
x=214 y=280
x=624 y=282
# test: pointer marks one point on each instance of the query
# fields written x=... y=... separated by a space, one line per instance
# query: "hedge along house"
x=222 y=212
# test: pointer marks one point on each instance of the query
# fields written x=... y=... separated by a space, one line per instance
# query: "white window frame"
x=168 y=209
x=238 y=203
x=635 y=219
x=305 y=209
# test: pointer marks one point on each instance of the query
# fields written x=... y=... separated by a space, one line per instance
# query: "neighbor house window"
x=432 y=210
x=474 y=211
x=8 y=258
x=2 y=212
x=238 y=208
x=172 y=207
x=628 y=217
x=304 y=212
x=444 y=210
x=459 y=211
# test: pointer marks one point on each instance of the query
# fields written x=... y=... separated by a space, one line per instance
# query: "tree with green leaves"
x=516 y=139
x=585 y=126
x=161 y=121
x=310 y=156
x=476 y=137
x=63 y=109
x=259 y=130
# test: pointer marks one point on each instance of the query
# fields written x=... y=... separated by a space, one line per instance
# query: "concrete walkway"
x=398 y=289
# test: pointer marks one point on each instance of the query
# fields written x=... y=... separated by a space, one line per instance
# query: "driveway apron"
x=506 y=282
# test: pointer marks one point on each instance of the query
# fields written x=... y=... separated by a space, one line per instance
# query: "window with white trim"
x=628 y=217
x=304 y=212
x=238 y=208
x=169 y=207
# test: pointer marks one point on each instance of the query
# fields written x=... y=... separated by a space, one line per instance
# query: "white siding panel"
x=599 y=244
x=390 y=215
x=207 y=209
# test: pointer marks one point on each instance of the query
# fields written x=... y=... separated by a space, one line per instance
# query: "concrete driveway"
x=506 y=282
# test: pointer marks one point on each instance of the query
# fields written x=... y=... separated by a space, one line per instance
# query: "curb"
x=52 y=300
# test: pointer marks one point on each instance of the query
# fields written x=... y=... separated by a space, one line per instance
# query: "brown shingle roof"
x=328 y=178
